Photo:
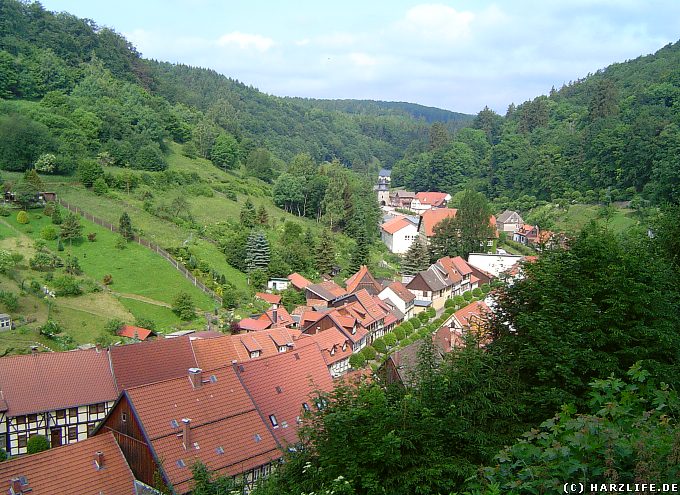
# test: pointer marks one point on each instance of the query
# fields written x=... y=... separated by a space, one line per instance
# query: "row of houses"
x=165 y=404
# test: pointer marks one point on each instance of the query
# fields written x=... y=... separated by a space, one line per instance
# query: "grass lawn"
x=166 y=321
x=135 y=269
x=578 y=216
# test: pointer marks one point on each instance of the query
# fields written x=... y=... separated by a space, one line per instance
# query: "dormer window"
x=354 y=329
x=333 y=351
x=283 y=348
x=344 y=347
x=254 y=354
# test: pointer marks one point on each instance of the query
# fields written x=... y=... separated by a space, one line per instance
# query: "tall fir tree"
x=257 y=251
x=125 y=226
x=324 y=254
x=71 y=228
x=416 y=258
x=360 y=255
x=248 y=214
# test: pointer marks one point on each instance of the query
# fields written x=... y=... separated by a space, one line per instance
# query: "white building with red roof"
x=398 y=234
x=427 y=200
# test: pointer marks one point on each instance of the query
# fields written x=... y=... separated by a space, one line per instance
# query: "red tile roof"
x=327 y=290
x=298 y=281
x=363 y=278
x=132 y=332
x=222 y=415
x=47 y=381
x=430 y=218
x=279 y=386
x=214 y=353
x=283 y=317
x=431 y=198
x=400 y=290
x=331 y=341
x=395 y=225
x=472 y=314
x=151 y=361
x=451 y=268
x=254 y=324
x=270 y=298
x=71 y=469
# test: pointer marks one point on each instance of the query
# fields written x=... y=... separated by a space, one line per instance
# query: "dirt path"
x=142 y=299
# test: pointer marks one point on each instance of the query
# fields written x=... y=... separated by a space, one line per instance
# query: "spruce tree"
x=262 y=215
x=324 y=254
x=248 y=214
x=57 y=219
x=416 y=258
x=257 y=251
x=125 y=226
x=361 y=252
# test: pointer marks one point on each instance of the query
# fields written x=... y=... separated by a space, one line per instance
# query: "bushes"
x=390 y=339
x=477 y=292
x=369 y=353
x=22 y=217
x=486 y=288
x=183 y=306
x=357 y=361
x=9 y=300
x=415 y=323
x=37 y=443
x=459 y=301
x=467 y=295
x=450 y=303
x=399 y=333
x=380 y=345
x=67 y=285
x=48 y=232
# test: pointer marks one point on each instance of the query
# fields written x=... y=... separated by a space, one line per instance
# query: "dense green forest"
x=611 y=136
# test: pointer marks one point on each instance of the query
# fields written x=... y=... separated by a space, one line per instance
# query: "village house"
x=316 y=321
x=274 y=300
x=298 y=281
x=276 y=316
x=223 y=350
x=167 y=426
x=278 y=284
x=431 y=288
x=368 y=310
x=533 y=236
x=335 y=347
x=94 y=466
x=402 y=199
x=137 y=333
x=363 y=279
x=400 y=368
x=5 y=322
x=323 y=293
x=430 y=218
x=472 y=319
x=428 y=200
x=400 y=297
x=509 y=222
x=60 y=395
x=493 y=264
x=398 y=234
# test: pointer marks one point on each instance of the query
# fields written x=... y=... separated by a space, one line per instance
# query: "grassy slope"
x=577 y=216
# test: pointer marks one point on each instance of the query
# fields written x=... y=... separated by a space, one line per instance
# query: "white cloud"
x=246 y=41
x=437 y=22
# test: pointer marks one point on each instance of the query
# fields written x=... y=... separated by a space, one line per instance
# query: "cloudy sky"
x=459 y=55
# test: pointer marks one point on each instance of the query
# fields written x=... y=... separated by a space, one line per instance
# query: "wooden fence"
x=147 y=244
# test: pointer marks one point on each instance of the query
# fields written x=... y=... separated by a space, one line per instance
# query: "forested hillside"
x=42 y=52
x=611 y=136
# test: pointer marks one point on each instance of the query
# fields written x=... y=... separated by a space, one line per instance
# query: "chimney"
x=275 y=315
x=99 y=459
x=196 y=377
x=15 y=486
x=186 y=433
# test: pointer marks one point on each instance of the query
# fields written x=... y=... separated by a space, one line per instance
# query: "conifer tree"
x=361 y=252
x=416 y=258
x=248 y=214
x=257 y=251
x=262 y=215
x=56 y=215
x=125 y=226
x=324 y=254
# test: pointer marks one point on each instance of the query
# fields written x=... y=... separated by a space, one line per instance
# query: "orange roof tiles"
x=71 y=469
x=362 y=278
x=430 y=218
x=279 y=317
x=270 y=298
x=220 y=351
x=222 y=414
x=151 y=361
x=400 y=290
x=395 y=225
x=254 y=324
x=298 y=281
x=132 y=332
x=279 y=385
x=472 y=313
x=47 y=381
x=431 y=198
x=331 y=343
